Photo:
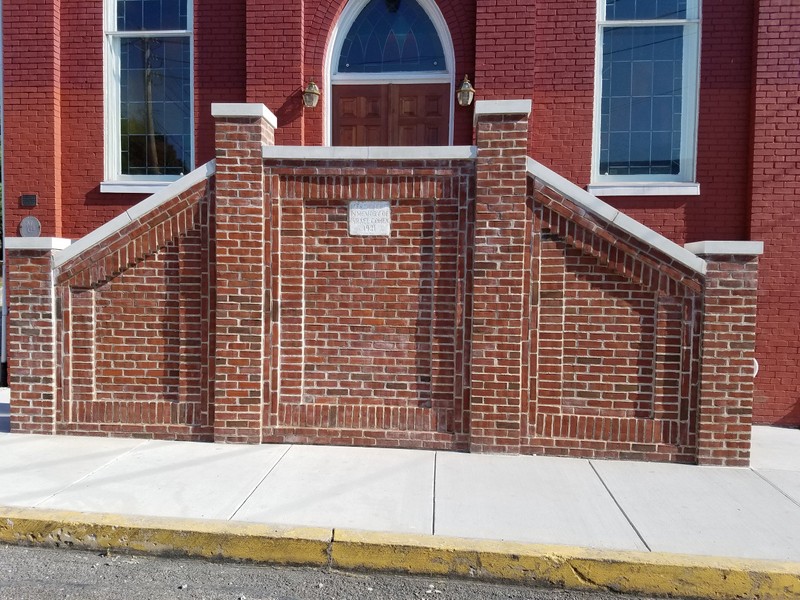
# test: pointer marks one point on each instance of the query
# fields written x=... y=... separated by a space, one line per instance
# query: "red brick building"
x=682 y=114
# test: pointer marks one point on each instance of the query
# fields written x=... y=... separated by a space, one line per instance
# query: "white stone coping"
x=36 y=243
x=138 y=210
x=243 y=110
x=611 y=215
x=502 y=107
x=369 y=152
x=655 y=188
x=727 y=248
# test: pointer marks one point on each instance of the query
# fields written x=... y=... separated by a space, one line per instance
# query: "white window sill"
x=132 y=187
x=658 y=188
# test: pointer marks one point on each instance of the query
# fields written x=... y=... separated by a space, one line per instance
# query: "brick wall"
x=720 y=212
x=133 y=333
x=502 y=312
x=613 y=341
x=775 y=211
x=32 y=112
x=543 y=50
x=371 y=328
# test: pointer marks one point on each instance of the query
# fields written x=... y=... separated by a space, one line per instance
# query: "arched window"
x=395 y=36
x=391 y=75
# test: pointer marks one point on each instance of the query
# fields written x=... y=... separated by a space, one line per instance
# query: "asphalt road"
x=48 y=574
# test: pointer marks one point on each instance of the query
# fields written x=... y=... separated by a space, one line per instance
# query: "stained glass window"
x=151 y=15
x=392 y=36
x=625 y=10
x=648 y=89
x=641 y=105
x=151 y=54
x=155 y=105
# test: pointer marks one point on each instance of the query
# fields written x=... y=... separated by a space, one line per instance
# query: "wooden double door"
x=391 y=115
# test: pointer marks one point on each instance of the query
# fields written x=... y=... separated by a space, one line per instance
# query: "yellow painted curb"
x=576 y=568
x=175 y=537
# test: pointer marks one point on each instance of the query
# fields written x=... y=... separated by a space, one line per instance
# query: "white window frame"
x=350 y=13
x=684 y=183
x=114 y=181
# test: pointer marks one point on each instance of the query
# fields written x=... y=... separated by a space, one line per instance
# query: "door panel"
x=359 y=115
x=391 y=115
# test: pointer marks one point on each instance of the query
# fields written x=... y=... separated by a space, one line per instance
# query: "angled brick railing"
x=139 y=231
x=123 y=320
x=688 y=398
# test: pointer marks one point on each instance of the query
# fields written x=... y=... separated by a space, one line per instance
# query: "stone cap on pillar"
x=36 y=243
x=502 y=107
x=722 y=248
x=243 y=110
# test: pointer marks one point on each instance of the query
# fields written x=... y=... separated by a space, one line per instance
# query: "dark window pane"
x=641 y=114
x=642 y=78
x=621 y=10
x=663 y=113
x=151 y=15
x=156 y=106
x=640 y=117
x=391 y=36
x=620 y=78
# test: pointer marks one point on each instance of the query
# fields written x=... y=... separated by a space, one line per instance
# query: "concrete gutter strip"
x=167 y=537
x=530 y=564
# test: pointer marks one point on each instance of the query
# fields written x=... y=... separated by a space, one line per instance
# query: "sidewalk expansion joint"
x=93 y=471
x=769 y=481
x=622 y=510
x=259 y=484
x=433 y=500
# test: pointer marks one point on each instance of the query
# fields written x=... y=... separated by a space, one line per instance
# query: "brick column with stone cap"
x=242 y=258
x=498 y=293
x=728 y=351
x=32 y=333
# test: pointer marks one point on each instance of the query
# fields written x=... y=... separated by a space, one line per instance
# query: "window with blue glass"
x=150 y=105
x=392 y=36
x=647 y=100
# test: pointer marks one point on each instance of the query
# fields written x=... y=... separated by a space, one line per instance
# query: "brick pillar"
x=32 y=111
x=242 y=255
x=499 y=276
x=32 y=333
x=728 y=351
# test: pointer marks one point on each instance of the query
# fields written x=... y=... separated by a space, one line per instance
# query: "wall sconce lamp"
x=311 y=95
x=466 y=93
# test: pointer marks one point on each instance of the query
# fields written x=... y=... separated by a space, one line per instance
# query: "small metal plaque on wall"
x=369 y=217
x=28 y=200
x=30 y=227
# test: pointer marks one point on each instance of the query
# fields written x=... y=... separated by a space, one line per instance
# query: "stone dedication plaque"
x=369 y=217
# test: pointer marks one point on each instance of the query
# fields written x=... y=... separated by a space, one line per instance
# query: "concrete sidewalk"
x=649 y=508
